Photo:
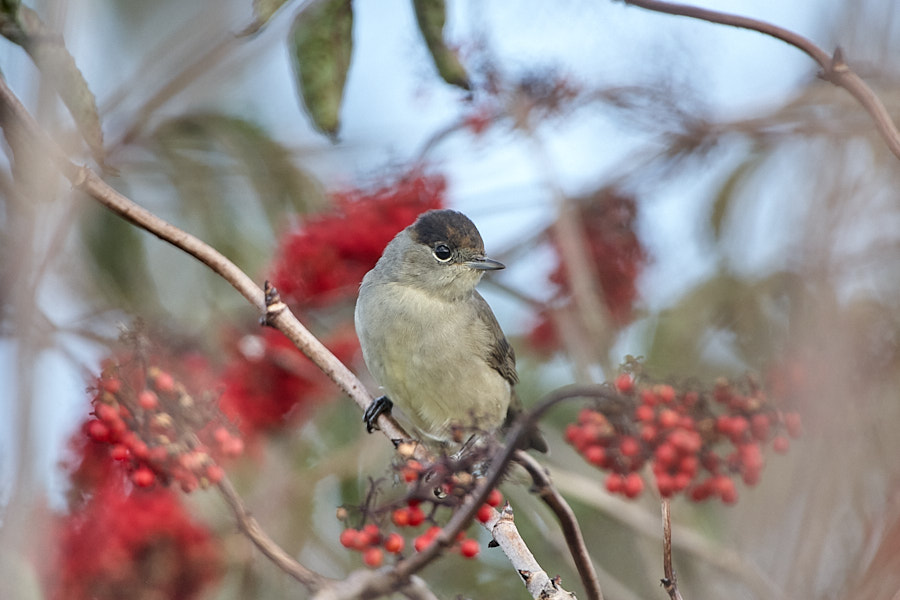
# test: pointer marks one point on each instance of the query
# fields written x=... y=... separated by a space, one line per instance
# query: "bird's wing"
x=501 y=356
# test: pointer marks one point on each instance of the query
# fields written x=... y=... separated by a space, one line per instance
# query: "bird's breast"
x=430 y=357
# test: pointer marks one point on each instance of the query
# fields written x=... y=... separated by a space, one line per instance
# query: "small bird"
x=429 y=338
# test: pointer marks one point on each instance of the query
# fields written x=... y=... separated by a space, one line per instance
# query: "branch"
x=669 y=581
x=834 y=69
x=312 y=580
x=567 y=521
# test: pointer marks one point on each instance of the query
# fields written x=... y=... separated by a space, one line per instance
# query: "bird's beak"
x=483 y=263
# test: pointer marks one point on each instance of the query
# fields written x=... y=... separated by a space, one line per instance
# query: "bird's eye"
x=442 y=252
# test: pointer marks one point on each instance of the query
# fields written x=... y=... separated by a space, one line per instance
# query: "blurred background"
x=658 y=187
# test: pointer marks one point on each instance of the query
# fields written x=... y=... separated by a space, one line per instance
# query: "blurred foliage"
x=22 y=26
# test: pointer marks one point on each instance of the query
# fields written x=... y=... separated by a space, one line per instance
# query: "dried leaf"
x=321 y=46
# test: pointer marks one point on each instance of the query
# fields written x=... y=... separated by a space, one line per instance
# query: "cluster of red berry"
x=443 y=484
x=616 y=255
x=158 y=429
x=268 y=384
x=696 y=442
x=324 y=259
x=133 y=543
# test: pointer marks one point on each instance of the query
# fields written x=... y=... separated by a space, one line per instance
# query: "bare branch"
x=670 y=581
x=834 y=69
x=567 y=520
x=312 y=580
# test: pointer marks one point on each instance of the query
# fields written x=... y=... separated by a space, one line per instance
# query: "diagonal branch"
x=834 y=69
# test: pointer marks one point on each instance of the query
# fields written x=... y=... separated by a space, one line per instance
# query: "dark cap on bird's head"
x=445 y=228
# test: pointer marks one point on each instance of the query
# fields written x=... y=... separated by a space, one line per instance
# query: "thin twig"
x=284 y=561
x=567 y=520
x=670 y=581
x=834 y=69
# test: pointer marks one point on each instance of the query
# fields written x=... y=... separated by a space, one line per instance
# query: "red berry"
x=760 y=426
x=648 y=398
x=140 y=450
x=624 y=383
x=235 y=447
x=416 y=516
x=164 y=383
x=596 y=455
x=400 y=517
x=485 y=513
x=648 y=433
x=394 y=543
x=411 y=471
x=573 y=433
x=681 y=480
x=143 y=477
x=370 y=534
x=107 y=413
x=633 y=485
x=469 y=548
x=665 y=454
x=614 y=483
x=148 y=400
x=112 y=385
x=494 y=498
x=668 y=418
x=221 y=435
x=629 y=447
x=214 y=473
x=665 y=483
x=665 y=393
x=348 y=538
x=644 y=413
x=119 y=452
x=688 y=464
x=781 y=444
x=373 y=557
x=98 y=431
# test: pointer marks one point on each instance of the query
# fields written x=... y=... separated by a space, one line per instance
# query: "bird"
x=432 y=342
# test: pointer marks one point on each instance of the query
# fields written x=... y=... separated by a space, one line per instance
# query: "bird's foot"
x=380 y=406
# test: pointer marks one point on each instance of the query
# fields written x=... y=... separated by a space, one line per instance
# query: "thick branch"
x=834 y=69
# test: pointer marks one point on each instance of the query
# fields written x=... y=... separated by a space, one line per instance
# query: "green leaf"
x=431 y=15
x=263 y=10
x=119 y=261
x=321 y=41
x=730 y=187
x=270 y=167
x=50 y=55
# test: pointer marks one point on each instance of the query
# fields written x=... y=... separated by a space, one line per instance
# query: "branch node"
x=507 y=514
x=80 y=177
x=274 y=305
x=838 y=65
